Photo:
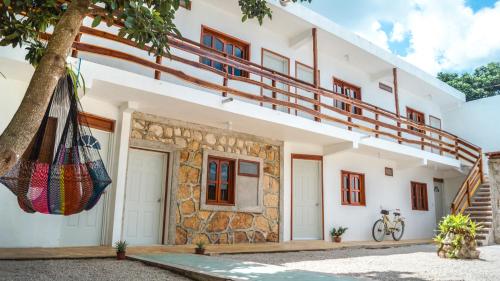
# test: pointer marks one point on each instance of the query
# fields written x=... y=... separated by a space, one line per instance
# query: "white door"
x=435 y=123
x=85 y=228
x=279 y=64
x=306 y=74
x=307 y=205
x=146 y=174
x=438 y=200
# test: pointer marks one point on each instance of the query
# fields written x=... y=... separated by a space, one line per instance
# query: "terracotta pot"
x=337 y=239
x=199 y=251
x=120 y=255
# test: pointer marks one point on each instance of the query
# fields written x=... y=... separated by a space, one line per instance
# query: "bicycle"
x=385 y=226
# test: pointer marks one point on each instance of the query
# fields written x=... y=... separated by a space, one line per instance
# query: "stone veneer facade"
x=191 y=223
x=494 y=180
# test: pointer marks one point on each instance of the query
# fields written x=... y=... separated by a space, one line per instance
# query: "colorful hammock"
x=74 y=178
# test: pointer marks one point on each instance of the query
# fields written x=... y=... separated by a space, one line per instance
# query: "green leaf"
x=96 y=21
x=6 y=2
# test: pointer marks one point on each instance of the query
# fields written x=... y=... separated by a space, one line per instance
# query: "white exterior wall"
x=478 y=122
x=380 y=191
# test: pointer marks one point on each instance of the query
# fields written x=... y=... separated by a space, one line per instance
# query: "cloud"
x=439 y=35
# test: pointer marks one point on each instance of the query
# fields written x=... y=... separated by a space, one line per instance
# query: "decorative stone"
x=223 y=140
x=184 y=157
x=187 y=207
x=242 y=221
x=181 y=142
x=169 y=132
x=136 y=135
x=231 y=141
x=274 y=185
x=200 y=237
x=188 y=174
x=258 y=237
x=272 y=237
x=203 y=215
x=196 y=192
x=240 y=237
x=186 y=134
x=270 y=155
x=262 y=224
x=192 y=223
x=177 y=132
x=271 y=200
x=272 y=213
x=218 y=222
x=210 y=139
x=240 y=143
x=194 y=145
x=138 y=124
x=255 y=149
x=180 y=236
x=184 y=192
x=220 y=148
x=157 y=130
x=197 y=136
x=223 y=239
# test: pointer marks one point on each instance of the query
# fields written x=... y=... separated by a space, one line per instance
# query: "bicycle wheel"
x=378 y=231
x=399 y=229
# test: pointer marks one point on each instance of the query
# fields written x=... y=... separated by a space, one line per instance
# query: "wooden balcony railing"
x=466 y=191
x=373 y=120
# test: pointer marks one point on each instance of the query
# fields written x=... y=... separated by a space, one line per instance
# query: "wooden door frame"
x=165 y=188
x=307 y=157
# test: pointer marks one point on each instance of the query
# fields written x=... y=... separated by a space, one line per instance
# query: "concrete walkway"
x=215 y=268
x=107 y=251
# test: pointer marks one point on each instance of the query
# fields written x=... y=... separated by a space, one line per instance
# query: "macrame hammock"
x=75 y=177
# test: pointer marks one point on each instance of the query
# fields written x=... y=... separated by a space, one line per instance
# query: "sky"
x=435 y=35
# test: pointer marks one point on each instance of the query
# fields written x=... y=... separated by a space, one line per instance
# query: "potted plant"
x=200 y=248
x=336 y=233
x=121 y=249
x=457 y=237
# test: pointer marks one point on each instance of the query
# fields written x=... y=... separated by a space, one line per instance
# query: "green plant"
x=337 y=232
x=454 y=232
x=200 y=245
x=121 y=246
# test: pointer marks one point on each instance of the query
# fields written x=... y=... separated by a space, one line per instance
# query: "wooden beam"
x=396 y=98
x=157 y=72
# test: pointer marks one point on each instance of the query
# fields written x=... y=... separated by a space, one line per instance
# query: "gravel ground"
x=405 y=263
x=79 y=270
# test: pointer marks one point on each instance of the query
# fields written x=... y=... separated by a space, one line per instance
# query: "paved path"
x=216 y=268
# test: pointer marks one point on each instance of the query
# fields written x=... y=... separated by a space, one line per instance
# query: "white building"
x=289 y=138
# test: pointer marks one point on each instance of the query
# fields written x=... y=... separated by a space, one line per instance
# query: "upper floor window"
x=220 y=181
x=225 y=44
x=419 y=196
x=415 y=116
x=353 y=188
x=349 y=90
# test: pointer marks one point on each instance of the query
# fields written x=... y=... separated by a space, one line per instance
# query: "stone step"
x=486 y=224
x=483 y=230
x=483 y=194
x=481 y=237
x=479 y=208
x=480 y=243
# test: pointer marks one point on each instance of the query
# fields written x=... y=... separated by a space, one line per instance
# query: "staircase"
x=481 y=211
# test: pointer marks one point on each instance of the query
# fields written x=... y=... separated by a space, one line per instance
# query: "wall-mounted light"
x=224 y=101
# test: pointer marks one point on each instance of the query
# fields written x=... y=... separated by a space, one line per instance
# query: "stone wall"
x=494 y=179
x=193 y=224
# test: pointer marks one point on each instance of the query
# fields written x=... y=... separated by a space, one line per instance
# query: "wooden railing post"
x=159 y=59
x=74 y=52
x=440 y=145
x=453 y=210
x=377 y=127
x=225 y=80
x=481 y=167
x=456 y=149
x=468 y=192
x=273 y=83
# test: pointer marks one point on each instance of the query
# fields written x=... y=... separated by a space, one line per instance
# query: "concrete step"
x=479 y=209
x=479 y=213
x=481 y=204
x=483 y=230
x=482 y=219
x=481 y=199
x=481 y=237
x=482 y=194
x=480 y=243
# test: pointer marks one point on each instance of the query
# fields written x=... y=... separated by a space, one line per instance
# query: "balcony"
x=268 y=88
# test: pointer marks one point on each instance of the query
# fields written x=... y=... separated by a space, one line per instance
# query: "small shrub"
x=457 y=237
x=200 y=245
x=337 y=232
x=121 y=246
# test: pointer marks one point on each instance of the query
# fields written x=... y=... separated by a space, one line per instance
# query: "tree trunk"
x=25 y=123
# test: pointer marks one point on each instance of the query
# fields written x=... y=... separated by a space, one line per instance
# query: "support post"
x=316 y=71
x=396 y=98
x=157 y=72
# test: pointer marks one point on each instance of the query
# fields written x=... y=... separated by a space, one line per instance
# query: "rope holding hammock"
x=73 y=179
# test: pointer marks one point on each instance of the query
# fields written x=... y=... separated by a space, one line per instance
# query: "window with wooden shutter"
x=353 y=188
x=224 y=44
x=350 y=91
x=419 y=196
x=220 y=181
x=416 y=117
